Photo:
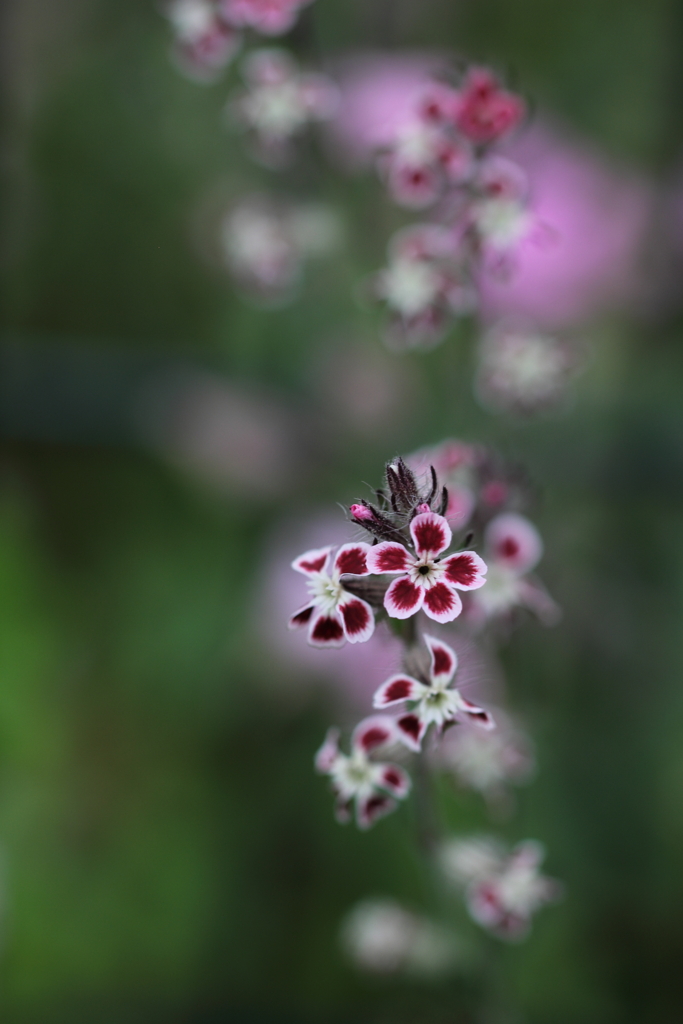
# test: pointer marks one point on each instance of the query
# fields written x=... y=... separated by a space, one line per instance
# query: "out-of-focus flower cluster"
x=208 y=33
x=382 y=937
x=267 y=242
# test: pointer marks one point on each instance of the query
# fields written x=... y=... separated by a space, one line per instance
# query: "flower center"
x=326 y=591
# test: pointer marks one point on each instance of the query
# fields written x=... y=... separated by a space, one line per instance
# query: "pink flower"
x=513 y=547
x=486 y=111
x=204 y=42
x=432 y=701
x=371 y=786
x=425 y=580
x=581 y=254
x=332 y=613
x=269 y=17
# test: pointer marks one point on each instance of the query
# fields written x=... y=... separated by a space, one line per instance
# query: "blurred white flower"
x=383 y=937
x=521 y=369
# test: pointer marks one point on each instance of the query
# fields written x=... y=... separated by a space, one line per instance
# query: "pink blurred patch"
x=380 y=94
x=583 y=256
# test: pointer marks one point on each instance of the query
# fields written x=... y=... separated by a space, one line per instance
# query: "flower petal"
x=466 y=570
x=411 y=730
x=442 y=603
x=326 y=631
x=397 y=689
x=372 y=808
x=301 y=617
x=374 y=731
x=358 y=620
x=328 y=753
x=403 y=598
x=395 y=780
x=476 y=714
x=352 y=558
x=444 y=660
x=431 y=534
x=342 y=811
x=312 y=562
x=389 y=557
x=514 y=541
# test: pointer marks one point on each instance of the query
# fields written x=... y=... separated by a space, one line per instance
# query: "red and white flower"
x=433 y=703
x=332 y=614
x=372 y=787
x=425 y=579
x=502 y=891
x=485 y=110
x=513 y=547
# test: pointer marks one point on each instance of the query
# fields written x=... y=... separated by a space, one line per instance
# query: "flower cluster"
x=279 y=102
x=502 y=889
x=404 y=573
x=208 y=33
x=441 y=157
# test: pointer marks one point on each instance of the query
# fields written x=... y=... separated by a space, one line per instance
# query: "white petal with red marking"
x=477 y=715
x=312 y=562
x=403 y=598
x=389 y=557
x=302 y=617
x=329 y=752
x=442 y=602
x=353 y=559
x=357 y=619
x=397 y=689
x=373 y=732
x=411 y=730
x=395 y=780
x=465 y=570
x=372 y=808
x=431 y=534
x=444 y=659
x=326 y=630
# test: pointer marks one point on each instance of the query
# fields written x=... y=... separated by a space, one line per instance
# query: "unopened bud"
x=361 y=512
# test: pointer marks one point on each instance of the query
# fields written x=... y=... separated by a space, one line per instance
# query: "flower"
x=487 y=760
x=370 y=786
x=513 y=547
x=425 y=580
x=204 y=41
x=485 y=111
x=522 y=369
x=332 y=613
x=265 y=243
x=434 y=702
x=280 y=101
x=503 y=891
x=382 y=937
x=269 y=17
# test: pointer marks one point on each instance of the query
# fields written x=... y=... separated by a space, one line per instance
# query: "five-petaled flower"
x=332 y=613
x=426 y=580
x=434 y=702
x=371 y=786
x=502 y=890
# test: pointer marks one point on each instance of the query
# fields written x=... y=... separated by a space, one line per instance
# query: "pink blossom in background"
x=592 y=222
x=379 y=96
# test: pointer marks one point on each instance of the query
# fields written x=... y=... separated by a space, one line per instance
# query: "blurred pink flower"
x=583 y=255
